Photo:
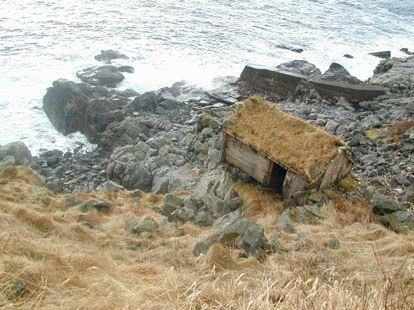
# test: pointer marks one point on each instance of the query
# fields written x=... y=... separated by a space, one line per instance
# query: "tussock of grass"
x=66 y=264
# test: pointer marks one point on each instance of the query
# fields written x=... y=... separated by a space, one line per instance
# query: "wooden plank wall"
x=243 y=157
x=339 y=167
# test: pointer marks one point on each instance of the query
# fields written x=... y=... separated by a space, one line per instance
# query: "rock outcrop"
x=301 y=67
x=235 y=230
x=15 y=153
x=108 y=76
x=73 y=107
x=338 y=73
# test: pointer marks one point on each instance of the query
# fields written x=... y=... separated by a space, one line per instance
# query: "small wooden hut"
x=283 y=151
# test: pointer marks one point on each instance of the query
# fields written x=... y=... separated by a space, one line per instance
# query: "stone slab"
x=349 y=91
x=280 y=81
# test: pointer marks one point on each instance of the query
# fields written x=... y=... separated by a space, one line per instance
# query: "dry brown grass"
x=68 y=265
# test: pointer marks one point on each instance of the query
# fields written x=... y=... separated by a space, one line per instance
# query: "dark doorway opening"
x=277 y=178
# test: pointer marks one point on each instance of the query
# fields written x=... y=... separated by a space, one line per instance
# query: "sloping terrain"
x=60 y=253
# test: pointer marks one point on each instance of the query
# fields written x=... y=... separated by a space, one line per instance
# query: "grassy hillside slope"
x=54 y=256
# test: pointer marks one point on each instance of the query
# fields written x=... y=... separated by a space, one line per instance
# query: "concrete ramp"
x=282 y=82
x=279 y=81
x=351 y=92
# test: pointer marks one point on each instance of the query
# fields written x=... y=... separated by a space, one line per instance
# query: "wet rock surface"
x=109 y=55
x=382 y=54
x=338 y=73
x=301 y=67
x=109 y=75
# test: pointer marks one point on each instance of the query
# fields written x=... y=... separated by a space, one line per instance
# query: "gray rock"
x=146 y=225
x=206 y=120
x=384 y=205
x=334 y=244
x=331 y=126
x=16 y=287
x=202 y=218
x=18 y=150
x=400 y=221
x=127 y=168
x=144 y=103
x=72 y=202
x=236 y=230
x=406 y=51
x=192 y=203
x=160 y=185
x=409 y=194
x=70 y=107
x=125 y=132
x=100 y=206
x=128 y=69
x=338 y=73
x=108 y=76
x=300 y=67
x=108 y=55
x=185 y=214
x=168 y=210
x=285 y=223
x=275 y=246
x=110 y=186
x=395 y=73
x=203 y=246
x=7 y=161
x=290 y=48
x=174 y=200
x=370 y=121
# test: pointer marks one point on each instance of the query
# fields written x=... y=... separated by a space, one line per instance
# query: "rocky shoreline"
x=170 y=140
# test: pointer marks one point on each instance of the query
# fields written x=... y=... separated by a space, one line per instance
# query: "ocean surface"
x=171 y=40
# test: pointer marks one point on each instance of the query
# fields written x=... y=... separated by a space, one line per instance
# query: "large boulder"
x=300 y=67
x=395 y=73
x=101 y=76
x=382 y=204
x=71 y=107
x=127 y=168
x=338 y=73
x=65 y=105
x=235 y=230
x=146 y=102
x=400 y=221
x=100 y=113
x=15 y=153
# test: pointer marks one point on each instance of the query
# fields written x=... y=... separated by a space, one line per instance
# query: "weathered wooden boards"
x=270 y=169
x=294 y=186
x=243 y=157
x=283 y=82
